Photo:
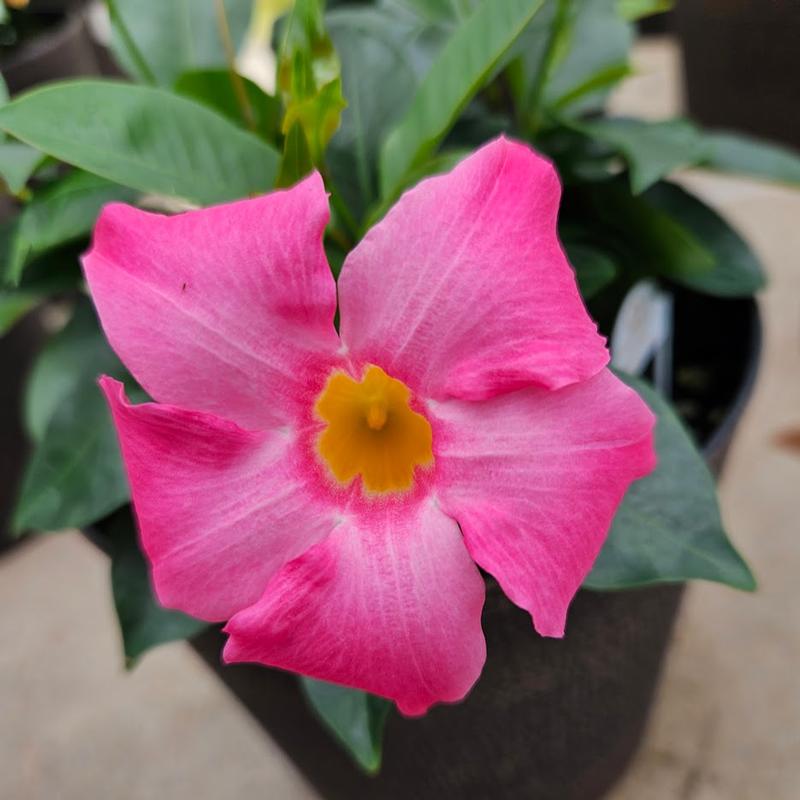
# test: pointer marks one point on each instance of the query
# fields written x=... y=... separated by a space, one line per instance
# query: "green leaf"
x=598 y=45
x=733 y=152
x=75 y=476
x=737 y=271
x=176 y=35
x=647 y=240
x=15 y=304
x=145 y=138
x=461 y=68
x=63 y=213
x=378 y=82
x=633 y=10
x=652 y=149
x=296 y=162
x=212 y=87
x=603 y=79
x=17 y=163
x=668 y=528
x=593 y=268
x=355 y=718
x=143 y=622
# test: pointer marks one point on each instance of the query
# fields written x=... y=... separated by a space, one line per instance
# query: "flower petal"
x=534 y=478
x=390 y=603
x=463 y=289
x=227 y=309
x=219 y=509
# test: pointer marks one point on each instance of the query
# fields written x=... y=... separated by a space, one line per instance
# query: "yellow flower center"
x=372 y=431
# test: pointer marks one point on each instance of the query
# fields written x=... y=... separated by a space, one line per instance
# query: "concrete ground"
x=75 y=726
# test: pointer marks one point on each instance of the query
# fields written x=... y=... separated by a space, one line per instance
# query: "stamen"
x=372 y=431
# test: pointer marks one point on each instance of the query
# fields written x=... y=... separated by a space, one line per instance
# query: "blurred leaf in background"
x=175 y=36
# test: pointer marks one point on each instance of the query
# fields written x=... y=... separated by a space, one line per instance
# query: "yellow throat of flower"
x=372 y=431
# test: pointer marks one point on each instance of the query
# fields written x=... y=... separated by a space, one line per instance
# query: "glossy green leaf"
x=668 y=528
x=355 y=718
x=736 y=271
x=174 y=36
x=144 y=138
x=143 y=622
x=75 y=475
x=461 y=68
x=17 y=163
x=296 y=162
x=652 y=149
x=733 y=152
x=633 y=10
x=212 y=87
x=593 y=268
x=62 y=213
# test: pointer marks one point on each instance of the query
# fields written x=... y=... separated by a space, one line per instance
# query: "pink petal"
x=228 y=309
x=463 y=289
x=390 y=603
x=220 y=509
x=534 y=478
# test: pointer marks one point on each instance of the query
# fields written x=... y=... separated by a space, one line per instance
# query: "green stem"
x=536 y=95
x=230 y=57
x=130 y=45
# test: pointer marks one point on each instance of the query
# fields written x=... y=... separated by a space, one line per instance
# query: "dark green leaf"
x=593 y=268
x=296 y=162
x=649 y=240
x=61 y=214
x=461 y=68
x=378 y=82
x=668 y=528
x=737 y=153
x=145 y=138
x=75 y=475
x=174 y=36
x=737 y=271
x=355 y=718
x=143 y=622
x=212 y=87
x=633 y=10
x=17 y=163
x=652 y=149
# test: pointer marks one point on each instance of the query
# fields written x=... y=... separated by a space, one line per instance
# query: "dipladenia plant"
x=332 y=495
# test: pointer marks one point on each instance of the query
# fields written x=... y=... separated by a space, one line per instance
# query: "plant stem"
x=536 y=96
x=230 y=57
x=130 y=45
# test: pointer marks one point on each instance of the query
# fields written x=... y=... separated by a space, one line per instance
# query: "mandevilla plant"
x=363 y=391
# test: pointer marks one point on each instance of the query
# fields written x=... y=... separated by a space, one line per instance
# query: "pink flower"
x=330 y=495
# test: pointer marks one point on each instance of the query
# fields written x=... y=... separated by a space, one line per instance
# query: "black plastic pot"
x=63 y=49
x=741 y=62
x=548 y=719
